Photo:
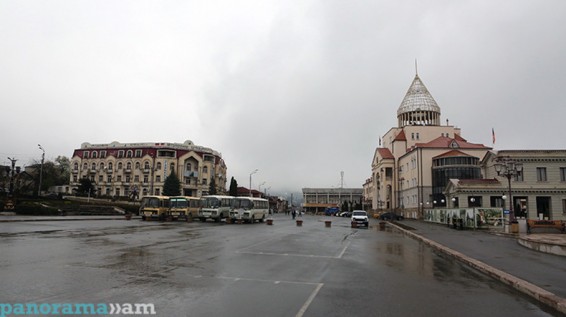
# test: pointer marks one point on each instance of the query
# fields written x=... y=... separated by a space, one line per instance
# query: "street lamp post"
x=41 y=170
x=508 y=168
x=250 y=190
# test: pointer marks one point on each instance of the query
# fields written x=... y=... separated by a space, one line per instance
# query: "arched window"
x=101 y=166
x=137 y=165
x=120 y=165
x=94 y=154
x=189 y=166
x=129 y=153
x=76 y=166
x=205 y=170
x=85 y=166
x=110 y=166
x=129 y=166
x=158 y=165
x=93 y=167
x=146 y=165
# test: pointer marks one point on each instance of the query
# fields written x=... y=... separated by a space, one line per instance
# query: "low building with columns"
x=140 y=169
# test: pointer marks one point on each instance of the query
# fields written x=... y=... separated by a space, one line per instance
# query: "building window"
x=76 y=166
x=413 y=136
x=158 y=178
x=541 y=174
x=205 y=170
x=102 y=166
x=75 y=178
x=138 y=153
x=129 y=153
x=119 y=178
x=85 y=154
x=138 y=165
x=127 y=178
x=102 y=154
x=109 y=178
x=94 y=154
x=158 y=167
x=110 y=166
x=129 y=165
x=418 y=136
x=145 y=179
x=118 y=192
x=93 y=167
x=120 y=153
x=136 y=178
x=120 y=165
x=157 y=191
x=563 y=174
x=100 y=179
x=519 y=176
x=146 y=166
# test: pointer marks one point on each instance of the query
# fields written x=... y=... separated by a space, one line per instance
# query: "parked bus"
x=184 y=207
x=215 y=207
x=154 y=207
x=249 y=209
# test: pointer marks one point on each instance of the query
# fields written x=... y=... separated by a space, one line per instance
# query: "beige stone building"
x=538 y=187
x=415 y=160
x=425 y=165
x=121 y=169
x=316 y=200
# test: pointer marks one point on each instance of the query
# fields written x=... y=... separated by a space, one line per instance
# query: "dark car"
x=390 y=216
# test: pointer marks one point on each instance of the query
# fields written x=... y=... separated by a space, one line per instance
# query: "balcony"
x=128 y=170
x=146 y=170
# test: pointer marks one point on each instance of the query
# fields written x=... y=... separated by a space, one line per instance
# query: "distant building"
x=318 y=199
x=140 y=169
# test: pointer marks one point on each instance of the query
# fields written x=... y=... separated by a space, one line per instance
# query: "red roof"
x=445 y=142
x=401 y=136
x=452 y=154
x=385 y=153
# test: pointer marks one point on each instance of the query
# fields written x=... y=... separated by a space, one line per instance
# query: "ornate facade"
x=140 y=169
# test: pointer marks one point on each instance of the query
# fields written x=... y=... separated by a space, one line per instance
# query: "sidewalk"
x=536 y=274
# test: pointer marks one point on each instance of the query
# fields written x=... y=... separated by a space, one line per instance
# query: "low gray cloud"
x=300 y=91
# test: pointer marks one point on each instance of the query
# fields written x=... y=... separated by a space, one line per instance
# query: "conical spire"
x=418 y=106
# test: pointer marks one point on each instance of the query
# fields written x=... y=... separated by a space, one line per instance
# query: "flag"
x=492 y=136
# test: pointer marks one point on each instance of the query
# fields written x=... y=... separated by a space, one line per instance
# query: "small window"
x=563 y=174
x=146 y=165
x=158 y=178
x=86 y=154
x=130 y=153
x=541 y=174
x=120 y=165
x=158 y=166
x=138 y=153
x=94 y=154
x=129 y=166
x=205 y=170
x=102 y=154
x=120 y=153
x=138 y=165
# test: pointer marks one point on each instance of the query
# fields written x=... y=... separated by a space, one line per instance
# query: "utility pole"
x=12 y=175
x=41 y=170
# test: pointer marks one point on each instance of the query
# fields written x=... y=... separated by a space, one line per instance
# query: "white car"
x=360 y=217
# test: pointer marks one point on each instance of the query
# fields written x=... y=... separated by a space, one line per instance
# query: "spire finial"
x=416 y=69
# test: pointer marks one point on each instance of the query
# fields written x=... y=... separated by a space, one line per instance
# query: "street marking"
x=309 y=301
x=343 y=250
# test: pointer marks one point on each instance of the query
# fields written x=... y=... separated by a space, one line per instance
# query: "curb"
x=543 y=296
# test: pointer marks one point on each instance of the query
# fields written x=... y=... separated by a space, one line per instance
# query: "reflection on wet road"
x=210 y=269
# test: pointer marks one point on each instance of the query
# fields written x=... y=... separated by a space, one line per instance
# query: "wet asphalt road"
x=210 y=269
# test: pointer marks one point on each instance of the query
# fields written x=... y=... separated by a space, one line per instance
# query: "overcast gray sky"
x=300 y=90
